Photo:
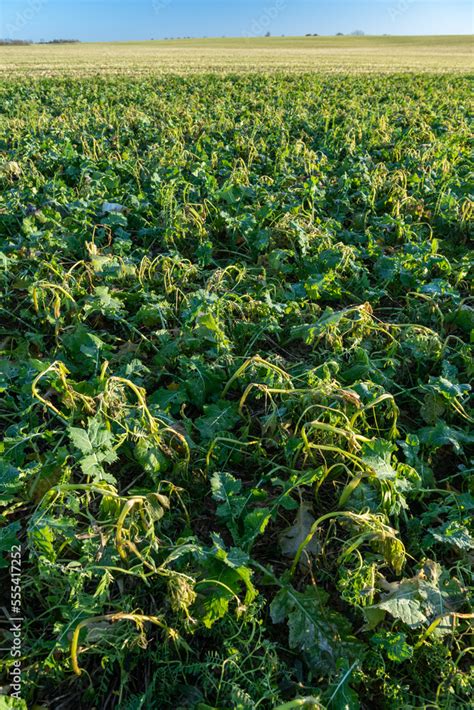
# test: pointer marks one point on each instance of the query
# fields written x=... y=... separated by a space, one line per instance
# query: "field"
x=268 y=54
x=235 y=334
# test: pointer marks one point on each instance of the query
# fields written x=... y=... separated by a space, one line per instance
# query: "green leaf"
x=394 y=644
x=10 y=482
x=7 y=702
x=103 y=302
x=322 y=634
x=377 y=455
x=216 y=604
x=8 y=538
x=85 y=349
x=254 y=524
x=96 y=445
x=225 y=571
x=225 y=490
x=407 y=609
x=455 y=534
x=340 y=695
x=217 y=419
x=151 y=458
x=237 y=560
x=224 y=486
x=443 y=435
x=449 y=390
x=42 y=538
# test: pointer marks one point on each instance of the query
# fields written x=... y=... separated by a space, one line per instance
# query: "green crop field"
x=236 y=335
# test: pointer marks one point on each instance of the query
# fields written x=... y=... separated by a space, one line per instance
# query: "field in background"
x=327 y=54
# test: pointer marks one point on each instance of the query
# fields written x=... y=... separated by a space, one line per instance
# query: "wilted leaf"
x=112 y=207
x=291 y=539
x=420 y=599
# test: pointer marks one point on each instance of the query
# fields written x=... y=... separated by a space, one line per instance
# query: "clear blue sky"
x=95 y=20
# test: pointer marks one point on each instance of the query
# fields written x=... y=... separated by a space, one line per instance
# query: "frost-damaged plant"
x=235 y=390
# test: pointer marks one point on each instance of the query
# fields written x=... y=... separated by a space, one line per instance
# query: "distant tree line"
x=356 y=33
x=22 y=42
x=4 y=42
x=60 y=41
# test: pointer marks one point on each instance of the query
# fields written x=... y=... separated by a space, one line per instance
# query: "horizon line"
x=235 y=37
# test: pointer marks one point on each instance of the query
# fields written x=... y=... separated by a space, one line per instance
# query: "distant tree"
x=357 y=33
x=63 y=41
x=340 y=34
x=268 y=34
x=315 y=34
x=16 y=42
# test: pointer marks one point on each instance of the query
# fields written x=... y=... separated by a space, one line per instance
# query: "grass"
x=235 y=354
x=295 y=54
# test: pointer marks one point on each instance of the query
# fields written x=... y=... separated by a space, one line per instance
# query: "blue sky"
x=95 y=20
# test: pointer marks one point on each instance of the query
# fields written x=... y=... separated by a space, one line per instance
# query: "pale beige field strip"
x=293 y=54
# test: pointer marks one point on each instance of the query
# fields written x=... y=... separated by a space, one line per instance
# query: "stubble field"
x=252 y=54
